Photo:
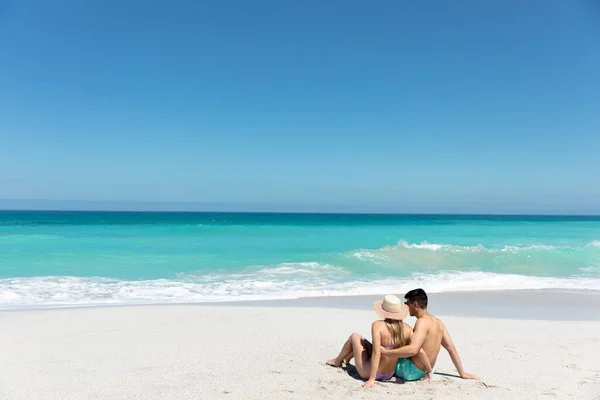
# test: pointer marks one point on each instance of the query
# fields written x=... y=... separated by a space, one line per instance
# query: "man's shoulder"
x=429 y=321
x=424 y=322
x=438 y=322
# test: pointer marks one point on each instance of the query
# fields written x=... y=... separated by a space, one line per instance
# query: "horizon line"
x=33 y=205
x=304 y=213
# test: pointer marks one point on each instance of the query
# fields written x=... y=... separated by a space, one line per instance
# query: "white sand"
x=207 y=352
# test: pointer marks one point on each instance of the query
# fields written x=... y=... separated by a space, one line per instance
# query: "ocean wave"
x=530 y=259
x=481 y=248
x=63 y=291
x=391 y=269
x=590 y=270
x=303 y=268
x=23 y=237
x=402 y=246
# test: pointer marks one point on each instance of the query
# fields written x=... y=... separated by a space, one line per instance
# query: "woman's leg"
x=347 y=359
x=346 y=351
x=361 y=349
x=362 y=355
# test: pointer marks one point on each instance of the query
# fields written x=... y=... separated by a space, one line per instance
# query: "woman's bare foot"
x=334 y=363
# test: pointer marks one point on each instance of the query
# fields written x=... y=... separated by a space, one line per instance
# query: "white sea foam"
x=298 y=269
x=471 y=249
x=590 y=270
x=75 y=291
x=436 y=267
x=423 y=245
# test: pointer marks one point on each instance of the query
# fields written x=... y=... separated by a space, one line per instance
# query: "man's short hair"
x=417 y=295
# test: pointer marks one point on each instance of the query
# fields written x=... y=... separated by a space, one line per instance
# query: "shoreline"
x=542 y=304
x=535 y=304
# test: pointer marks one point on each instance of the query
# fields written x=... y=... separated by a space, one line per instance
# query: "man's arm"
x=449 y=346
x=416 y=341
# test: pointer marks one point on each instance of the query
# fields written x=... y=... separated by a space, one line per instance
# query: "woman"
x=390 y=333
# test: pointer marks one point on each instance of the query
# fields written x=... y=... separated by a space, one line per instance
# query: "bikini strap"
x=389 y=334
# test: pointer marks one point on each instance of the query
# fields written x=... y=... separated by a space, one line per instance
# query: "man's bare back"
x=433 y=340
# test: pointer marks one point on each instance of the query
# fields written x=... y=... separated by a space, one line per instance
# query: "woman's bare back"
x=388 y=364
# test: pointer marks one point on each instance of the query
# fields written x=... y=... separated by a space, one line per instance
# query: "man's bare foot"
x=334 y=363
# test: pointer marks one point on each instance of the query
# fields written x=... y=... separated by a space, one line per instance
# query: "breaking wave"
x=285 y=281
x=391 y=269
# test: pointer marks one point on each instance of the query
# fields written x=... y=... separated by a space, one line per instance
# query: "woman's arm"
x=376 y=356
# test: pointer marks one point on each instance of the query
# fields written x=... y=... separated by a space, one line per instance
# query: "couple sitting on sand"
x=397 y=348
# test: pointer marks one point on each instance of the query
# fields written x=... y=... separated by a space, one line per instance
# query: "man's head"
x=416 y=300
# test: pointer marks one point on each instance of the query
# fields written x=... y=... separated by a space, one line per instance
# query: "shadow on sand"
x=353 y=372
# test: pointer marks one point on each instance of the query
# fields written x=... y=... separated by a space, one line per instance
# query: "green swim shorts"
x=405 y=369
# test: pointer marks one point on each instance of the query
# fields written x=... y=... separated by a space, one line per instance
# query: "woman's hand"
x=465 y=375
x=368 y=384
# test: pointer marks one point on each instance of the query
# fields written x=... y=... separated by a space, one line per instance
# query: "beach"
x=278 y=350
x=128 y=305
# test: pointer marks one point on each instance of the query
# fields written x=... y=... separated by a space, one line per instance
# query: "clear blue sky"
x=401 y=106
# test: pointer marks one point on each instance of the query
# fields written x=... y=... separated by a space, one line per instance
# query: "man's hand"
x=464 y=375
x=428 y=377
x=368 y=384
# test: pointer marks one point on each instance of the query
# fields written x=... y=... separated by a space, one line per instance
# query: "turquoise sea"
x=95 y=258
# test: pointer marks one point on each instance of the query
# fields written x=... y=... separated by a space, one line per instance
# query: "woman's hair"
x=396 y=328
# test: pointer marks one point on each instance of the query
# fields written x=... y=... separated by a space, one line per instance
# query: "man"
x=429 y=334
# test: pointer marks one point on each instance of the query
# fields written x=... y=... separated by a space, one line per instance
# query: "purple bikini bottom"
x=384 y=377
